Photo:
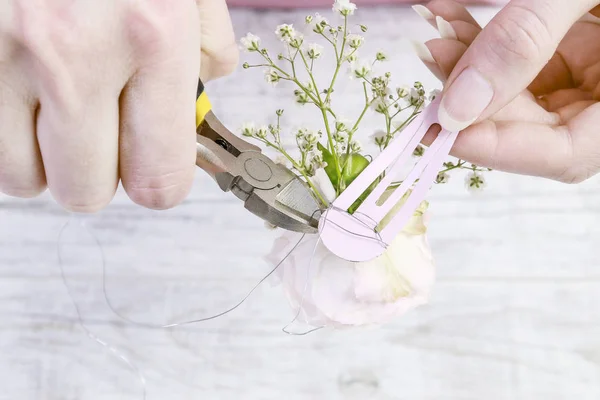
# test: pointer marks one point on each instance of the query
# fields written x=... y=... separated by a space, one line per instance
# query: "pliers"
x=269 y=190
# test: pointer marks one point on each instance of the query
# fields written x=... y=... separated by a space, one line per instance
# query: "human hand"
x=96 y=91
x=529 y=82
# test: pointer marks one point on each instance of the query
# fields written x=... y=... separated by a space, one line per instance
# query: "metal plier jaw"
x=268 y=190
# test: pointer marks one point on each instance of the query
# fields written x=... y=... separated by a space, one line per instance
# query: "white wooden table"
x=515 y=313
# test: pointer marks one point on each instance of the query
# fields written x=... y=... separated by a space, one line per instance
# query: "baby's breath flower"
x=301 y=97
x=281 y=160
x=419 y=151
x=402 y=91
x=355 y=41
x=314 y=51
x=308 y=19
x=248 y=129
x=360 y=69
x=301 y=133
x=344 y=7
x=319 y=23
x=245 y=65
x=286 y=32
x=272 y=77
x=416 y=97
x=364 y=28
x=380 y=105
x=379 y=137
x=475 y=182
x=442 y=177
x=355 y=146
x=342 y=125
x=250 y=42
x=381 y=56
x=296 y=41
x=434 y=94
x=339 y=137
x=262 y=132
x=316 y=159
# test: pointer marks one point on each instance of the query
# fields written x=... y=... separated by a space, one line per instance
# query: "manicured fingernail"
x=423 y=52
x=423 y=12
x=465 y=100
x=445 y=28
x=589 y=17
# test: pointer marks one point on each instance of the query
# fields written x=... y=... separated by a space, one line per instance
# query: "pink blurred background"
x=328 y=3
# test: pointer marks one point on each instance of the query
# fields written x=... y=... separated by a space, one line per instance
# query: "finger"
x=524 y=107
x=572 y=110
x=556 y=75
x=563 y=98
x=220 y=52
x=78 y=142
x=447 y=9
x=505 y=58
x=567 y=153
x=157 y=131
x=21 y=168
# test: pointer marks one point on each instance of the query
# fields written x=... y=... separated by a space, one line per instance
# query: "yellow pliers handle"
x=203 y=105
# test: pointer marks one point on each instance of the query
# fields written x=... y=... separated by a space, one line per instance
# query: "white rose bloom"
x=337 y=293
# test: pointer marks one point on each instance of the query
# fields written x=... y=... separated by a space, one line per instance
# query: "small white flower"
x=272 y=77
x=434 y=94
x=339 y=137
x=250 y=42
x=381 y=56
x=475 y=182
x=248 y=129
x=301 y=97
x=319 y=23
x=380 y=104
x=355 y=41
x=442 y=177
x=350 y=55
x=281 y=160
x=314 y=51
x=355 y=146
x=342 y=125
x=296 y=41
x=344 y=7
x=402 y=91
x=262 y=132
x=286 y=32
x=360 y=69
x=379 y=137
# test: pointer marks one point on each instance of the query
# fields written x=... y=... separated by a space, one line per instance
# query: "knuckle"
x=521 y=36
x=159 y=192
x=152 y=25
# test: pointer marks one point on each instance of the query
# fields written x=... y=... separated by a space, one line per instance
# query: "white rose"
x=337 y=293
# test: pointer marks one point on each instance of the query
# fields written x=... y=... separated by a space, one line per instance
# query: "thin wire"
x=174 y=325
x=285 y=328
x=115 y=352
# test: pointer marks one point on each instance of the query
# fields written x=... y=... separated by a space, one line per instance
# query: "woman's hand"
x=530 y=82
x=96 y=91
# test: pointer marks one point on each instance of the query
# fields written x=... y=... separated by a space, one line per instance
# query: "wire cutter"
x=268 y=190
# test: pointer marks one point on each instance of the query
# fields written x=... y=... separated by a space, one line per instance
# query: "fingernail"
x=465 y=100
x=589 y=17
x=445 y=28
x=423 y=12
x=423 y=52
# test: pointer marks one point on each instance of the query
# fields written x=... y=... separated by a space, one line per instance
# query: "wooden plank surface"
x=514 y=314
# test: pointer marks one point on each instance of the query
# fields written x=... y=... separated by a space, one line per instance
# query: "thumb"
x=219 y=49
x=506 y=57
